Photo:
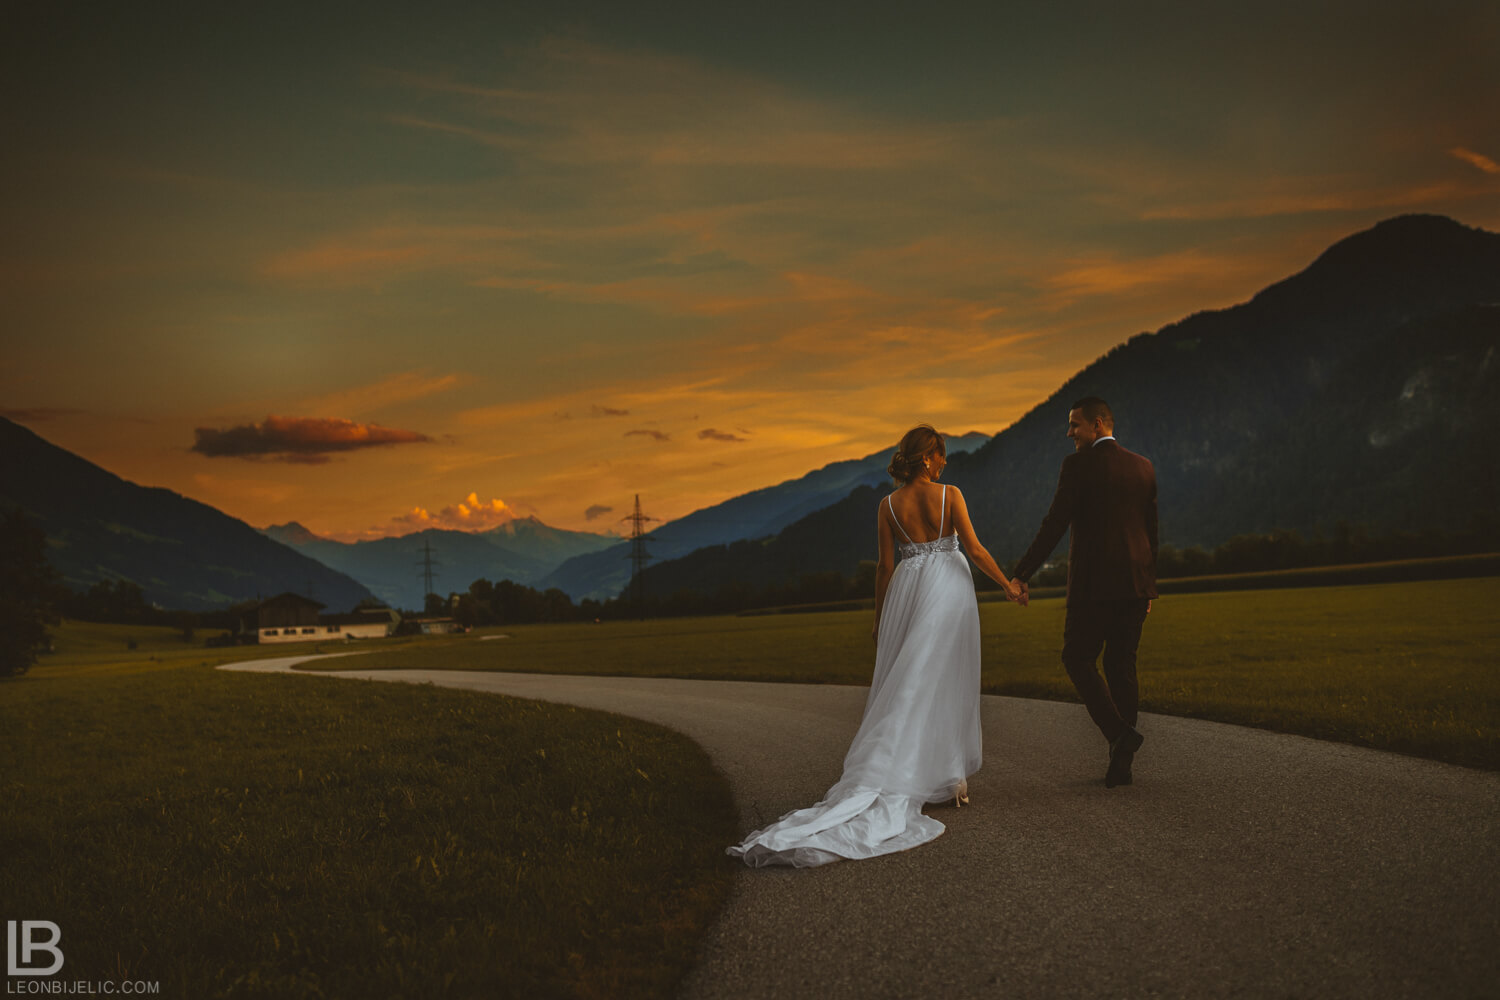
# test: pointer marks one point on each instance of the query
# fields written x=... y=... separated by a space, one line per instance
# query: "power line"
x=638 y=554
x=427 y=562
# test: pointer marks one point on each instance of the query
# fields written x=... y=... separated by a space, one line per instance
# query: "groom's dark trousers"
x=1106 y=495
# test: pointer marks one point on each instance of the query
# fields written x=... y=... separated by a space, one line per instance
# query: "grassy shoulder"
x=83 y=649
x=1402 y=666
x=247 y=835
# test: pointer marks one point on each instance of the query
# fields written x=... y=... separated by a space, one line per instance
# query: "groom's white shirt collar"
x=1099 y=441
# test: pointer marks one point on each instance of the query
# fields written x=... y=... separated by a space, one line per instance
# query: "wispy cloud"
x=378 y=253
x=305 y=440
x=596 y=511
x=656 y=435
x=1323 y=196
x=607 y=411
x=38 y=415
x=403 y=387
x=583 y=103
x=1479 y=160
x=273 y=494
x=1109 y=275
x=710 y=434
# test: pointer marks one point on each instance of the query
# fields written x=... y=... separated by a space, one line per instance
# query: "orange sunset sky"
x=374 y=268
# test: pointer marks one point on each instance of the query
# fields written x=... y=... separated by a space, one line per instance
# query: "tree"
x=27 y=584
x=118 y=601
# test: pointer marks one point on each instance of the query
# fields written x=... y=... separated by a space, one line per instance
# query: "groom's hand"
x=1025 y=593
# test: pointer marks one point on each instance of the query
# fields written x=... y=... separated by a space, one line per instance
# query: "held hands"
x=1017 y=591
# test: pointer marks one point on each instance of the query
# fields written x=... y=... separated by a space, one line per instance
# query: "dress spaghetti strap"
x=896 y=519
x=942 y=509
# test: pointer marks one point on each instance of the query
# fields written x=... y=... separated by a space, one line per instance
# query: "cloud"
x=709 y=434
x=222 y=490
x=1107 y=274
x=375 y=253
x=400 y=388
x=595 y=512
x=306 y=440
x=586 y=104
x=38 y=415
x=1479 y=160
x=658 y=435
x=472 y=514
x=607 y=411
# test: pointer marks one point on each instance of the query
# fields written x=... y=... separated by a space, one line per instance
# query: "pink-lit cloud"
x=304 y=440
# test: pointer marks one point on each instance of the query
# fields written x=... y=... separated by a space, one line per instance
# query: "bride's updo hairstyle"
x=915 y=447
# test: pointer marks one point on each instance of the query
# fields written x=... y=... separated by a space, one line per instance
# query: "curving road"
x=1241 y=863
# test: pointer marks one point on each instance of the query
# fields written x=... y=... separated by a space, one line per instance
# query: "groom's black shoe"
x=1121 y=756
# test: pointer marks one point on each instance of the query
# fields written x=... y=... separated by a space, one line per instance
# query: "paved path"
x=1240 y=864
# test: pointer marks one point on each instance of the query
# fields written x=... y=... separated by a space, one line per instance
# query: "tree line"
x=32 y=598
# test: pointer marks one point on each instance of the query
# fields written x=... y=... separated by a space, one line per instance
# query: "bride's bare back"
x=918 y=507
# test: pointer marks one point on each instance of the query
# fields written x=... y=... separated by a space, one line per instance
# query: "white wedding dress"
x=920 y=735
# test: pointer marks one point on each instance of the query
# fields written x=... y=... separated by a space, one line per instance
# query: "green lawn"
x=241 y=835
x=1408 y=666
x=268 y=836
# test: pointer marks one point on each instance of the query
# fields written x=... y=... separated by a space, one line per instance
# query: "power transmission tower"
x=638 y=553
x=427 y=563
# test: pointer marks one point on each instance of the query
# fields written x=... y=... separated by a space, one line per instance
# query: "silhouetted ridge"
x=182 y=553
x=1350 y=393
x=1426 y=257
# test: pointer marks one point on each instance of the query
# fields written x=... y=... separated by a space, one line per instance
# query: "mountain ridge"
x=1342 y=393
x=183 y=553
x=522 y=550
x=759 y=513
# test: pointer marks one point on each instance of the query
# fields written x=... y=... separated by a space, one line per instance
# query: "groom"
x=1107 y=495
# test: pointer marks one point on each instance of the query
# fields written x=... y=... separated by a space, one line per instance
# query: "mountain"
x=182 y=553
x=1360 y=390
x=1271 y=414
x=757 y=514
x=527 y=536
x=292 y=534
x=522 y=550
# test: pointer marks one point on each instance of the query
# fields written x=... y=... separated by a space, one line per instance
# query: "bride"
x=919 y=740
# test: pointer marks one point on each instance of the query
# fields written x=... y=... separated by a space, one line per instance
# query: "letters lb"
x=18 y=959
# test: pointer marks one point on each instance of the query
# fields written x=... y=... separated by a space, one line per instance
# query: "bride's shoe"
x=961 y=794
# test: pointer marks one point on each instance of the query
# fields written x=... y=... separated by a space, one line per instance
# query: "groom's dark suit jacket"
x=1107 y=495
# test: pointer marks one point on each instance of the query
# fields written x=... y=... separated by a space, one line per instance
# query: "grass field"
x=1410 y=667
x=267 y=836
x=239 y=835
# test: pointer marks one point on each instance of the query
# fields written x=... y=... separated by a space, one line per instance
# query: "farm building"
x=294 y=618
x=435 y=626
